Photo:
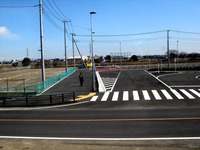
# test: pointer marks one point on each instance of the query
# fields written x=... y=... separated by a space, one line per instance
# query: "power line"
x=59 y=16
x=69 y=20
x=126 y=34
x=62 y=16
x=19 y=6
x=127 y=41
x=186 y=32
x=52 y=22
x=59 y=10
x=80 y=27
x=52 y=12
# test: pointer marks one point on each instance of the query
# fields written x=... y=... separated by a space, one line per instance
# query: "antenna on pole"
x=168 y=55
x=41 y=42
x=27 y=53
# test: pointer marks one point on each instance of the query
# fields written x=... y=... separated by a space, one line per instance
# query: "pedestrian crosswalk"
x=147 y=95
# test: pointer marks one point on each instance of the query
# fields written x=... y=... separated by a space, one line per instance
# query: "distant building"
x=78 y=59
x=120 y=56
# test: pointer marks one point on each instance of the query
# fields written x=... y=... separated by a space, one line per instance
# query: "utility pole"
x=168 y=56
x=65 y=47
x=177 y=52
x=73 y=48
x=41 y=42
x=27 y=53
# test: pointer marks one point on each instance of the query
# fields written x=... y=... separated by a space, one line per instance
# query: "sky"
x=117 y=26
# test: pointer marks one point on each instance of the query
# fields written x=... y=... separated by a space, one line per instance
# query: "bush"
x=26 y=61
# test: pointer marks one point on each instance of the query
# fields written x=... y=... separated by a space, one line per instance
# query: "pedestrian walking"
x=81 y=79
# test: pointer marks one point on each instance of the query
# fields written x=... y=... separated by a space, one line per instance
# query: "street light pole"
x=93 y=69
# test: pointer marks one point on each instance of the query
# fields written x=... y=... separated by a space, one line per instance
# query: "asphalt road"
x=147 y=117
x=182 y=79
x=129 y=123
x=137 y=80
x=139 y=89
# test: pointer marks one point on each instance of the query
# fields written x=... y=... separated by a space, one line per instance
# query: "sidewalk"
x=72 y=84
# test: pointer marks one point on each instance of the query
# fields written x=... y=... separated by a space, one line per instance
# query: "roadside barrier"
x=41 y=100
x=22 y=91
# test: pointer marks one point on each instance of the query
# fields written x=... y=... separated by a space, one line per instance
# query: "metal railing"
x=41 y=87
x=22 y=91
x=41 y=100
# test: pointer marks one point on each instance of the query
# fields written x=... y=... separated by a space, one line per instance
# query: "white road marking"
x=184 y=86
x=115 y=81
x=105 y=96
x=166 y=94
x=125 y=96
x=156 y=95
x=101 y=139
x=195 y=92
x=136 y=96
x=94 y=98
x=101 y=85
x=115 y=96
x=108 y=83
x=187 y=94
x=177 y=94
x=158 y=79
x=43 y=107
x=146 y=95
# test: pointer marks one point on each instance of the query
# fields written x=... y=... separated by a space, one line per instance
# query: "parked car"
x=82 y=66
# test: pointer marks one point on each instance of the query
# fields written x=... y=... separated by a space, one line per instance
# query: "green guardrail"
x=34 y=89
x=42 y=86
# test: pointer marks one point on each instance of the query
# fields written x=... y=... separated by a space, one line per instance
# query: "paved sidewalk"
x=72 y=84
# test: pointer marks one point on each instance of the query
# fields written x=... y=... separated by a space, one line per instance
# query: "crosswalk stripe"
x=156 y=95
x=146 y=95
x=195 y=92
x=94 y=98
x=136 y=96
x=115 y=96
x=105 y=96
x=177 y=94
x=187 y=94
x=166 y=94
x=125 y=96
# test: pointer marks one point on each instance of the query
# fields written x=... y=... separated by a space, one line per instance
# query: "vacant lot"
x=27 y=76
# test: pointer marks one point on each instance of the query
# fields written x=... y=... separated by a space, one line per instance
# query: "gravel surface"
x=22 y=144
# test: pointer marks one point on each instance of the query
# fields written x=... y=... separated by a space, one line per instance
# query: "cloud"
x=6 y=34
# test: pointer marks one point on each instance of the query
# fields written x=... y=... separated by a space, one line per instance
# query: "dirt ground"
x=26 y=76
x=30 y=144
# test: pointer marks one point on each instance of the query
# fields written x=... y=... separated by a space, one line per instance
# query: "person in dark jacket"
x=81 y=79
